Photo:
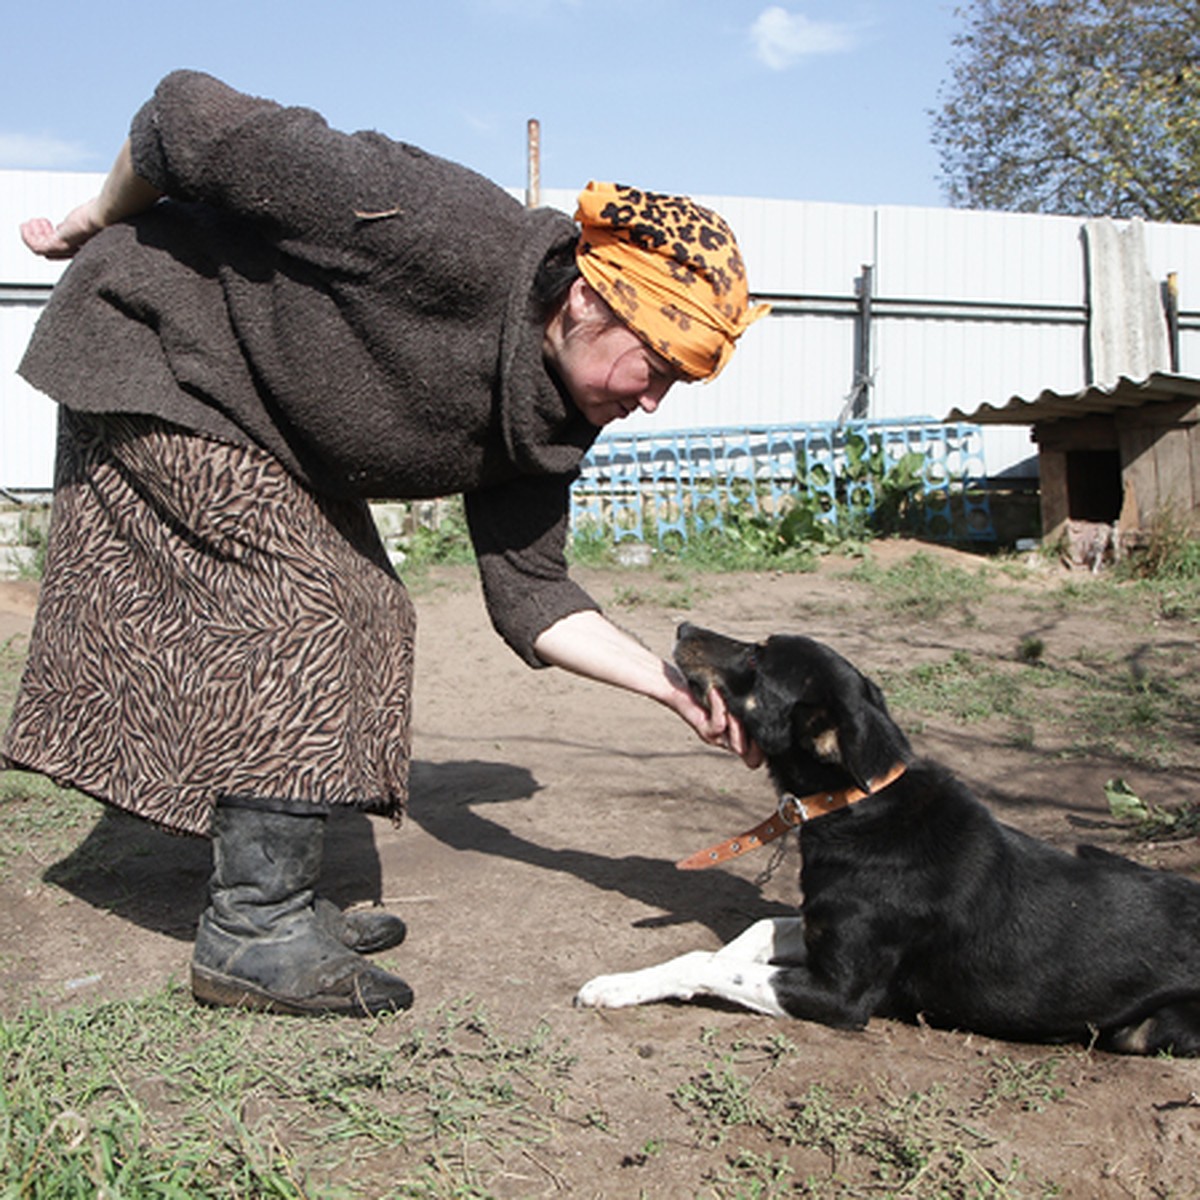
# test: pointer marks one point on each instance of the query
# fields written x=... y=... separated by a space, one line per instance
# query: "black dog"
x=917 y=903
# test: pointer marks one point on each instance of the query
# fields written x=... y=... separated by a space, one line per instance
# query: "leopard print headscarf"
x=670 y=269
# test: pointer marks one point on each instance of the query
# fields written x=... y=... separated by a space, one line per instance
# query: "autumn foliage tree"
x=1086 y=107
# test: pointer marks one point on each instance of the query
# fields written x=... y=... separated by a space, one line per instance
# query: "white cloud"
x=782 y=38
x=27 y=152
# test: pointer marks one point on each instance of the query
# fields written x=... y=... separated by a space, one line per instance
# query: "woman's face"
x=609 y=371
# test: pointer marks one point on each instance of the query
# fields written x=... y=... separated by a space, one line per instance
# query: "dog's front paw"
x=674 y=980
x=609 y=991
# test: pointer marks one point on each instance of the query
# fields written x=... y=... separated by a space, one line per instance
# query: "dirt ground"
x=545 y=818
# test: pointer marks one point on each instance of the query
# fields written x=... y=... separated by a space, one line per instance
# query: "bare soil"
x=545 y=818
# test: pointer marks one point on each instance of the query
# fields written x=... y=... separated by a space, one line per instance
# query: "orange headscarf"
x=670 y=269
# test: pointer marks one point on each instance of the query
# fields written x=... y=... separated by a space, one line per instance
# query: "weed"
x=1029 y=1086
x=911 y=1144
x=746 y=542
x=28 y=556
x=444 y=541
x=721 y=1097
x=752 y=1176
x=1031 y=649
x=1172 y=552
x=1151 y=822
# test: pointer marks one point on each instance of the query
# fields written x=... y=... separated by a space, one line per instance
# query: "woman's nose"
x=652 y=397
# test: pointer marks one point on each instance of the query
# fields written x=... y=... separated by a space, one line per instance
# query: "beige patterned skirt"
x=207 y=625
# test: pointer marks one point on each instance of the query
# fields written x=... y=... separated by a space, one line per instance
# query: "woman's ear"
x=578 y=302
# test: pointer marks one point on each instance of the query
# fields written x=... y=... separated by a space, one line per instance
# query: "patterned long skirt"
x=208 y=625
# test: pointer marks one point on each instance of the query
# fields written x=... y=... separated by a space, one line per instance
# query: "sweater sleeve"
x=519 y=531
x=201 y=140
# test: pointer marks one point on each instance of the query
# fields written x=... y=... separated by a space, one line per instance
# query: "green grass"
x=36 y=813
x=828 y=1142
x=926 y=589
x=1142 y=709
x=1149 y=722
x=159 y=1097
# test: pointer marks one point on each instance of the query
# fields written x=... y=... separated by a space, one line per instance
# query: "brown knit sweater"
x=357 y=307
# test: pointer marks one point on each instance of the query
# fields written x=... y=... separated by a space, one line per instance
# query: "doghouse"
x=1113 y=456
x=1124 y=450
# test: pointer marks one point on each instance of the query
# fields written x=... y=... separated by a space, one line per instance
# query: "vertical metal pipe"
x=858 y=407
x=533 y=179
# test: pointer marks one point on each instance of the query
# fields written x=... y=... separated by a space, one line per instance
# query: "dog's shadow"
x=159 y=881
x=444 y=801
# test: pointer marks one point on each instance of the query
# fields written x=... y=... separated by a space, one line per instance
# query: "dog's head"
x=819 y=721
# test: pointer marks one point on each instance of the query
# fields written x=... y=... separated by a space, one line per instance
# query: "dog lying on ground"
x=917 y=903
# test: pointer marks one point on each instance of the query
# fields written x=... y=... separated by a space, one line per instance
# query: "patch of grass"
x=591 y=548
x=12 y=660
x=1136 y=710
x=159 y=1097
x=870 y=1142
x=1144 y=601
x=682 y=596
x=925 y=588
x=965 y=687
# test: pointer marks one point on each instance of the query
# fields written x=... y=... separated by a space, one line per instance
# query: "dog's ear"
x=869 y=741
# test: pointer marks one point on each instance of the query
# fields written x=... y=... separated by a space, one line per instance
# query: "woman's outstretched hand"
x=587 y=643
x=123 y=194
x=52 y=241
x=715 y=724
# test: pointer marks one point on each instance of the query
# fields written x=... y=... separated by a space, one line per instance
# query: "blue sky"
x=803 y=100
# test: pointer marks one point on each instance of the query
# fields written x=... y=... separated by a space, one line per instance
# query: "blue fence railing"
x=650 y=486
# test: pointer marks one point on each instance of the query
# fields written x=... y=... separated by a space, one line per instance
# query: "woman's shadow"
x=159 y=880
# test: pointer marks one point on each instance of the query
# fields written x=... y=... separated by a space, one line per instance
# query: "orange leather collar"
x=792 y=811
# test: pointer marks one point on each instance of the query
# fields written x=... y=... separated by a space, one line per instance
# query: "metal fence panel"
x=663 y=485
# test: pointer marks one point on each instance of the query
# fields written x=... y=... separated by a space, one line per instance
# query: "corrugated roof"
x=1157 y=388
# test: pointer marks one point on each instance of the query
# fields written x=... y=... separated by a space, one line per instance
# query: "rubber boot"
x=261 y=943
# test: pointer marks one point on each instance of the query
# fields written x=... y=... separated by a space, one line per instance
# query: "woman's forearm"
x=588 y=644
x=124 y=192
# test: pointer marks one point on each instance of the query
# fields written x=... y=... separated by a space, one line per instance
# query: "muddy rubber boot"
x=261 y=943
x=363 y=930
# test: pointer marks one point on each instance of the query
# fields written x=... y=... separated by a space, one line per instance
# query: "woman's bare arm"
x=123 y=194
